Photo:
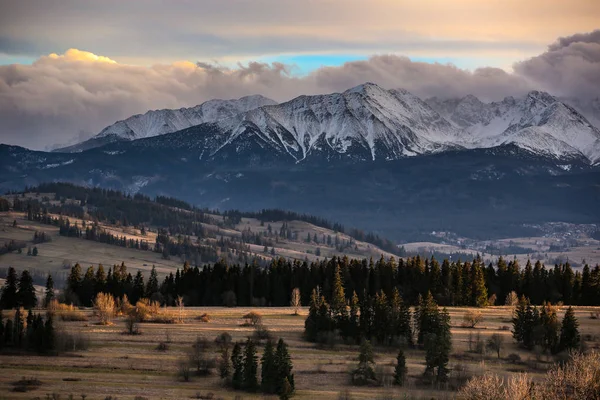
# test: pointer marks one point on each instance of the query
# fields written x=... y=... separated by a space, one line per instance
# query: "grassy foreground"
x=125 y=366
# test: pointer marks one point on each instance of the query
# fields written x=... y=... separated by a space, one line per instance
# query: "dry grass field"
x=125 y=366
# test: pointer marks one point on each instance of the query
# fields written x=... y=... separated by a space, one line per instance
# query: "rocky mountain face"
x=160 y=122
x=377 y=159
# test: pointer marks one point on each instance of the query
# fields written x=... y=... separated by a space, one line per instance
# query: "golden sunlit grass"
x=126 y=366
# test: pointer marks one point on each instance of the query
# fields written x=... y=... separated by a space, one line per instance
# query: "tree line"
x=31 y=332
x=455 y=283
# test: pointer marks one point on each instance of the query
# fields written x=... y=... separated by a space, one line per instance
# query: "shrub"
x=146 y=309
x=162 y=346
x=472 y=318
x=203 y=318
x=513 y=358
x=26 y=384
x=252 y=319
x=105 y=307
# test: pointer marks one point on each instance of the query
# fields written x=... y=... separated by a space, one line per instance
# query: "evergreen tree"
x=49 y=333
x=9 y=297
x=74 y=280
x=283 y=368
x=426 y=316
x=338 y=297
x=26 y=296
x=250 y=367
x=268 y=370
x=18 y=328
x=381 y=318
x=237 y=380
x=364 y=373
x=152 y=286
x=400 y=370
x=438 y=344
x=138 y=287
x=100 y=280
x=479 y=292
x=225 y=363
x=569 y=332
x=49 y=291
x=518 y=320
x=34 y=252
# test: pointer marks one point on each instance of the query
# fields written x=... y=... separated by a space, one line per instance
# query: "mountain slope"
x=159 y=122
x=537 y=122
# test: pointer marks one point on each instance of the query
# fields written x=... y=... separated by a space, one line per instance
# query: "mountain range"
x=378 y=159
x=368 y=122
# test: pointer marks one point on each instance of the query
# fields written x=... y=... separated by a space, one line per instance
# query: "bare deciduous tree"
x=296 y=301
x=105 y=307
x=472 y=318
x=511 y=299
x=180 y=309
x=495 y=343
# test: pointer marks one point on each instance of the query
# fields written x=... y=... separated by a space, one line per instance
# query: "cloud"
x=58 y=96
x=570 y=67
x=77 y=93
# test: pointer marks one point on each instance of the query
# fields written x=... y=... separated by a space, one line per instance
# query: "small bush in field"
x=252 y=319
x=203 y=318
x=26 y=384
x=472 y=318
x=513 y=358
x=162 y=346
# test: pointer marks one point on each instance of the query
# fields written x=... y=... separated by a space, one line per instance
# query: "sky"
x=68 y=68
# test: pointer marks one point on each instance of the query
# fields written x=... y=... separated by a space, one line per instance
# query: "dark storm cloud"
x=570 y=67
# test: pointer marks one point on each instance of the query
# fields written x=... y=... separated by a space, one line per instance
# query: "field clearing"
x=127 y=366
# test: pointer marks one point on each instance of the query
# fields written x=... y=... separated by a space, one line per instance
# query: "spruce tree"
x=152 y=286
x=49 y=333
x=518 y=320
x=138 y=287
x=283 y=368
x=9 y=298
x=381 y=318
x=338 y=296
x=237 y=379
x=400 y=370
x=438 y=344
x=18 y=328
x=26 y=296
x=569 y=331
x=364 y=373
x=74 y=280
x=250 y=367
x=49 y=291
x=268 y=370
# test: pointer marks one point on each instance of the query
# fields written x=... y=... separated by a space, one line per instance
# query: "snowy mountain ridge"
x=367 y=122
x=160 y=122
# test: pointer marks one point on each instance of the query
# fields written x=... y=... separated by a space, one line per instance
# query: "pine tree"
x=381 y=318
x=479 y=292
x=268 y=370
x=364 y=373
x=49 y=291
x=26 y=296
x=426 y=316
x=49 y=333
x=438 y=344
x=250 y=367
x=338 y=297
x=518 y=320
x=225 y=363
x=18 y=328
x=283 y=368
x=400 y=370
x=74 y=280
x=569 y=332
x=34 y=252
x=237 y=380
x=152 y=286
x=138 y=287
x=9 y=297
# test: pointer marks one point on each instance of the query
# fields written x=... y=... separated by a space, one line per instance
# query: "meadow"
x=146 y=365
